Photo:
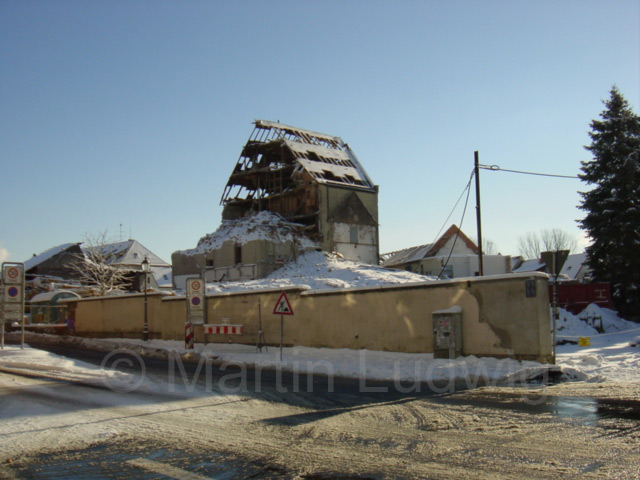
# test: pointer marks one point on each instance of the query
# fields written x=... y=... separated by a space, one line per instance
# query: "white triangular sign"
x=283 y=307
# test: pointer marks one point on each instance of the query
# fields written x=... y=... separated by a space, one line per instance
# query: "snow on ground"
x=610 y=356
x=322 y=271
x=39 y=363
x=360 y=364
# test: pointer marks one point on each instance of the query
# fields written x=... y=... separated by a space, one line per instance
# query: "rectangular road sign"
x=196 y=301
x=584 y=342
x=12 y=297
x=13 y=274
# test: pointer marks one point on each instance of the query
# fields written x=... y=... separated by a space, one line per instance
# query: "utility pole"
x=478 y=214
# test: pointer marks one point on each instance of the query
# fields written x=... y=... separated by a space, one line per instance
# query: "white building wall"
x=465 y=265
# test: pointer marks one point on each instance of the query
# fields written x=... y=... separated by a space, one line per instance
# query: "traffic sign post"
x=554 y=260
x=196 y=308
x=282 y=308
x=12 y=297
x=196 y=301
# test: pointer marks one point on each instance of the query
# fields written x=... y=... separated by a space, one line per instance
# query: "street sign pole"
x=281 y=334
x=554 y=260
x=22 y=336
x=13 y=290
x=282 y=308
x=196 y=304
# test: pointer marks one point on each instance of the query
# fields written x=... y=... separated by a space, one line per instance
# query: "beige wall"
x=498 y=318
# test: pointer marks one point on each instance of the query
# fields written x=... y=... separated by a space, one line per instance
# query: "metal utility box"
x=447 y=333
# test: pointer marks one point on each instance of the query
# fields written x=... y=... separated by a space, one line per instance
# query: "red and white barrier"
x=188 y=336
x=223 y=329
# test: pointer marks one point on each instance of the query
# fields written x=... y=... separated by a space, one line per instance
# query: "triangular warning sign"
x=283 y=307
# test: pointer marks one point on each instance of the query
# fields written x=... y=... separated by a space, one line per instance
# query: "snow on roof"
x=128 y=252
x=573 y=265
x=406 y=255
x=263 y=225
x=46 y=255
x=322 y=271
x=47 y=296
x=530 y=266
x=516 y=261
x=340 y=161
x=163 y=276
x=414 y=254
x=327 y=158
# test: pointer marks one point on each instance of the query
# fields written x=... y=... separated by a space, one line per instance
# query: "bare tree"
x=95 y=267
x=532 y=244
x=529 y=245
x=488 y=246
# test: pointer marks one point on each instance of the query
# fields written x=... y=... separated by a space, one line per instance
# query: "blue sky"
x=134 y=113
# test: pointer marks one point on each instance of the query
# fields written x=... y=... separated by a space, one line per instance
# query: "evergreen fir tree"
x=612 y=206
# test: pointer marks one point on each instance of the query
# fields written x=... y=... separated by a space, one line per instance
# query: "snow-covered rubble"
x=260 y=226
x=585 y=324
x=322 y=271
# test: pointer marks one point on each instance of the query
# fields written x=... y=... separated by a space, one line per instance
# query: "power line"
x=454 y=208
x=464 y=210
x=496 y=168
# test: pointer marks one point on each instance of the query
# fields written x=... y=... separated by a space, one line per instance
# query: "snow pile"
x=38 y=363
x=570 y=326
x=611 y=355
x=260 y=226
x=611 y=322
x=322 y=271
x=342 y=362
x=587 y=323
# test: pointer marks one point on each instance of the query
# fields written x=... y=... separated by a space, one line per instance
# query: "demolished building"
x=243 y=249
x=309 y=179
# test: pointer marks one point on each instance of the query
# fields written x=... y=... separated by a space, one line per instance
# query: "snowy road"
x=67 y=425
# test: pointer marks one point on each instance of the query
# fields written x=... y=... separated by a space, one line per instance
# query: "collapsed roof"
x=278 y=159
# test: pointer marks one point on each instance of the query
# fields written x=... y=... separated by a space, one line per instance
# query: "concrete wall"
x=498 y=318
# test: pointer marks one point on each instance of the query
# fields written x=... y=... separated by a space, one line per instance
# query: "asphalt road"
x=266 y=424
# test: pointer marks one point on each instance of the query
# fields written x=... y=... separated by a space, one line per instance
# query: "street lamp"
x=145 y=271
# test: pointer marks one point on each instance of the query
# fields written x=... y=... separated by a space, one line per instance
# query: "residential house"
x=453 y=255
x=59 y=265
